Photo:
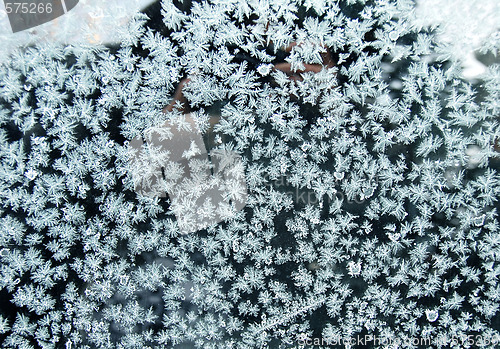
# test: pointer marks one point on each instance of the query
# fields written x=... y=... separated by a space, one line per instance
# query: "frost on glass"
x=245 y=174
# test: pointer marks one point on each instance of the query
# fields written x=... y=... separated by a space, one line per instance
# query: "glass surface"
x=243 y=174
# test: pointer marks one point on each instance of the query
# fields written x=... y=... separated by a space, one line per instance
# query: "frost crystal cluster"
x=353 y=201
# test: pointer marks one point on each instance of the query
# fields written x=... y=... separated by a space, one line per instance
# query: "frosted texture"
x=361 y=194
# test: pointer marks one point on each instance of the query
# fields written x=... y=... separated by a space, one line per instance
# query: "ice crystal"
x=245 y=174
